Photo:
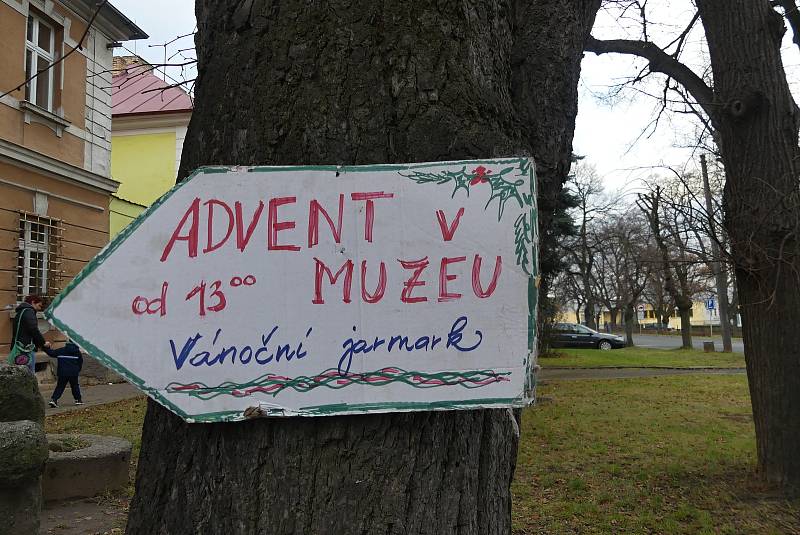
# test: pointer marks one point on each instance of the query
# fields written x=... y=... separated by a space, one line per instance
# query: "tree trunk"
x=686 y=327
x=430 y=472
x=353 y=82
x=757 y=124
x=629 y=315
x=684 y=304
x=589 y=315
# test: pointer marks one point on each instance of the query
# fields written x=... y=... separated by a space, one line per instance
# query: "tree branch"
x=661 y=62
x=681 y=39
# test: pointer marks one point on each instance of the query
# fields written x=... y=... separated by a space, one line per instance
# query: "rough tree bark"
x=757 y=123
x=354 y=82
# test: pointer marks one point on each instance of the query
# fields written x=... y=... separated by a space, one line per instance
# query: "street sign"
x=711 y=303
x=310 y=291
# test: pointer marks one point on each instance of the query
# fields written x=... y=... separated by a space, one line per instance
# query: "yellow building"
x=647 y=316
x=149 y=124
x=699 y=315
x=55 y=142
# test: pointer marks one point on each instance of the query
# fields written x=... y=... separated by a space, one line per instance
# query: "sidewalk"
x=566 y=374
x=92 y=395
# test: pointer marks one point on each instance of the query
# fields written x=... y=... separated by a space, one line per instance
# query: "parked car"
x=576 y=335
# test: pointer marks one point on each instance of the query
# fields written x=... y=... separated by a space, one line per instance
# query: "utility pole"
x=716 y=265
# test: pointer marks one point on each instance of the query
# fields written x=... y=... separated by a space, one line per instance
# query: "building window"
x=39 y=57
x=39 y=256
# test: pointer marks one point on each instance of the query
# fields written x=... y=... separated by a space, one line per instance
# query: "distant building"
x=645 y=315
x=149 y=124
x=55 y=142
x=699 y=315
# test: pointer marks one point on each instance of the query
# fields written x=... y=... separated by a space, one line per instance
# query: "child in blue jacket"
x=70 y=361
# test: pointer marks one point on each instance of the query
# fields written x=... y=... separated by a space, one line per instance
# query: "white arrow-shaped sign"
x=285 y=291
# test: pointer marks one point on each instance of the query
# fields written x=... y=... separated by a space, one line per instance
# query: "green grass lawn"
x=637 y=356
x=122 y=419
x=661 y=455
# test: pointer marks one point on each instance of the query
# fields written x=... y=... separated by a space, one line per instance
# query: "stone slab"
x=101 y=467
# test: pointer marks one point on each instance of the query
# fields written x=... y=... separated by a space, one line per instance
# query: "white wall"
x=98 y=104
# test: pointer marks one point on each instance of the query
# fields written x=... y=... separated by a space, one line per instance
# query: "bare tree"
x=692 y=216
x=674 y=269
x=755 y=121
x=586 y=187
x=568 y=293
x=625 y=238
x=656 y=295
x=609 y=278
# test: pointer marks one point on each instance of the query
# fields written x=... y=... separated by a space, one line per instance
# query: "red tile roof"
x=136 y=90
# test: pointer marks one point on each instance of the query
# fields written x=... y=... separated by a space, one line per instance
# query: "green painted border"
x=533 y=281
x=525 y=165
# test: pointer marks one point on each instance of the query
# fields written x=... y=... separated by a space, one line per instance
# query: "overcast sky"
x=608 y=131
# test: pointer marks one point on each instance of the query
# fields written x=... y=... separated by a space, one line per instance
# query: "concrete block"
x=101 y=467
x=19 y=508
x=23 y=452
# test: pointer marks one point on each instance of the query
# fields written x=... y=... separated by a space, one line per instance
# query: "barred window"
x=39 y=256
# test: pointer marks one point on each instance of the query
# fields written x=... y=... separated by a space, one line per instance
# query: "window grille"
x=39 y=269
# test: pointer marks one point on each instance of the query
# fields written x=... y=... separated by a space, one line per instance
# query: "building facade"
x=55 y=142
x=702 y=314
x=148 y=127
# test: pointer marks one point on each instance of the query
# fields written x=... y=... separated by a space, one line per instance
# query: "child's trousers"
x=62 y=384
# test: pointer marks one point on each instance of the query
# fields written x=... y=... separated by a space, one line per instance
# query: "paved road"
x=669 y=341
x=624 y=373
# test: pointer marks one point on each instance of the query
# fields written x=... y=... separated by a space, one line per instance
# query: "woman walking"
x=26 y=329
